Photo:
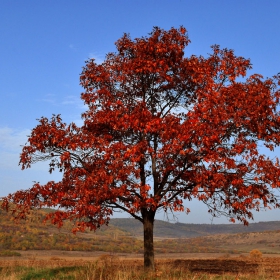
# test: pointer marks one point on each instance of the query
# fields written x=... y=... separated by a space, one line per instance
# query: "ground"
x=235 y=265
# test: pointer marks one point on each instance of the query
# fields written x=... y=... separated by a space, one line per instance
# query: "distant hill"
x=124 y=235
x=181 y=230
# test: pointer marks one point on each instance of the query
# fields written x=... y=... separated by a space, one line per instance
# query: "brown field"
x=101 y=265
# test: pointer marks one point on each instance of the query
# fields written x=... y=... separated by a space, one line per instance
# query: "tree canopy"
x=160 y=129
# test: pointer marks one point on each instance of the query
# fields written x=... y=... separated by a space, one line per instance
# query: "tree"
x=160 y=129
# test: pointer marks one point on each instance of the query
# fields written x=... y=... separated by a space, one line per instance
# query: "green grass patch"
x=58 y=273
x=8 y=253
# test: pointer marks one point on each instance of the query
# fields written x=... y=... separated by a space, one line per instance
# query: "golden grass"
x=109 y=267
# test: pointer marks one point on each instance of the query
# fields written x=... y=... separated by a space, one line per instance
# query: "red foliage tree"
x=160 y=128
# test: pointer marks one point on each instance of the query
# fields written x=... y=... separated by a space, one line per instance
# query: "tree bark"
x=148 y=224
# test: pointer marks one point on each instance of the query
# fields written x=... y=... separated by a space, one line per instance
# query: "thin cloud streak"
x=11 y=139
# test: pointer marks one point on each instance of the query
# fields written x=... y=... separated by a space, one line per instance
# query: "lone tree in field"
x=160 y=129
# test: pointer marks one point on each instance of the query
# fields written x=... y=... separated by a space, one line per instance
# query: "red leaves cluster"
x=160 y=128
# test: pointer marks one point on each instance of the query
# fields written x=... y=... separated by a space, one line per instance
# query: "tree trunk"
x=148 y=224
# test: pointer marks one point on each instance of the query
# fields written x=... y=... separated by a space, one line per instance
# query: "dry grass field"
x=46 y=265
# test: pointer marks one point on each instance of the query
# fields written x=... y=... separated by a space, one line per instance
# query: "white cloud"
x=72 y=47
x=9 y=161
x=72 y=99
x=11 y=140
x=12 y=178
x=99 y=58
x=68 y=100
x=11 y=143
x=49 y=98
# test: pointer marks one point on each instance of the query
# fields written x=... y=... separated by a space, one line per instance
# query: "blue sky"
x=44 y=45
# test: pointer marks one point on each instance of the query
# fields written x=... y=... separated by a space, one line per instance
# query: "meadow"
x=33 y=250
x=102 y=266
